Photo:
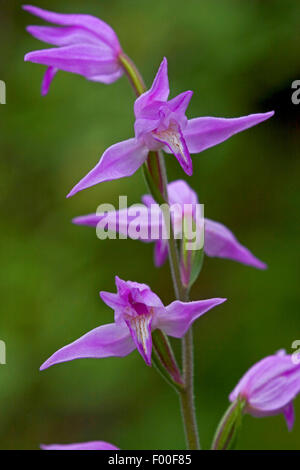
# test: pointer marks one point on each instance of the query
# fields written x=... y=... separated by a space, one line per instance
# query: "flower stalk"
x=155 y=164
x=132 y=74
x=156 y=178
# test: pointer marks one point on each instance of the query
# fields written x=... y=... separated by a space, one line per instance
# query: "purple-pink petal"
x=135 y=305
x=103 y=31
x=83 y=59
x=177 y=317
x=118 y=161
x=133 y=222
x=138 y=293
x=115 y=302
x=92 y=445
x=180 y=103
x=105 y=341
x=47 y=80
x=63 y=36
x=107 y=79
x=180 y=192
x=270 y=386
x=289 y=414
x=160 y=252
x=90 y=220
x=220 y=242
x=159 y=90
x=85 y=45
x=204 y=132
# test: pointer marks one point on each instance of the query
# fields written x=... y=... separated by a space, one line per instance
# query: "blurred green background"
x=239 y=58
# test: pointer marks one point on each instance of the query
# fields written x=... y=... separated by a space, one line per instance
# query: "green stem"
x=156 y=178
x=133 y=74
x=187 y=398
x=156 y=166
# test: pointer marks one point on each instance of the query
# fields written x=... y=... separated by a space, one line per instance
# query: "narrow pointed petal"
x=105 y=341
x=289 y=414
x=92 y=445
x=117 y=221
x=118 y=161
x=159 y=90
x=180 y=102
x=204 y=132
x=135 y=222
x=113 y=301
x=47 y=80
x=160 y=252
x=90 y=220
x=143 y=126
x=63 y=36
x=84 y=59
x=176 y=319
x=97 y=26
x=220 y=242
x=140 y=329
x=174 y=140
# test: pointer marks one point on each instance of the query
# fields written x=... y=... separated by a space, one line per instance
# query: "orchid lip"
x=140 y=330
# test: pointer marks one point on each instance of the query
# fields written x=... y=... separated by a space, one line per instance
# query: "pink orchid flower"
x=219 y=241
x=86 y=46
x=138 y=311
x=269 y=387
x=163 y=124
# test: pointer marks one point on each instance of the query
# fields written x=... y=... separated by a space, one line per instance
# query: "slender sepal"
x=228 y=429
